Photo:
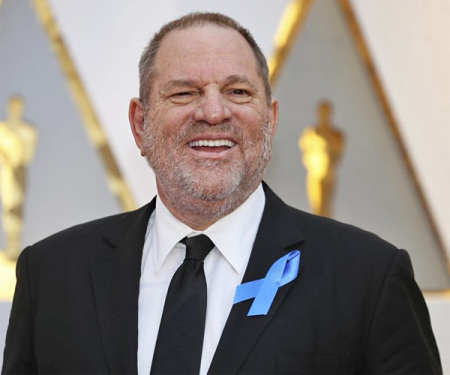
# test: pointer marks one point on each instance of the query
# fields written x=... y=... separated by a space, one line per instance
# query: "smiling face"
x=206 y=130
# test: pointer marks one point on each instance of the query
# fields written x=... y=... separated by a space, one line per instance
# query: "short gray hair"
x=147 y=62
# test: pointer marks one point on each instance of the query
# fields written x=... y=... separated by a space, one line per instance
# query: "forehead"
x=205 y=51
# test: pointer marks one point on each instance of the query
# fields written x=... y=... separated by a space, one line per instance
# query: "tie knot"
x=197 y=247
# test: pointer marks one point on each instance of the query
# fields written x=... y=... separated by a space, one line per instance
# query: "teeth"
x=208 y=143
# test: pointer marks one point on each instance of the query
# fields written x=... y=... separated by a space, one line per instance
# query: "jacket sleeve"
x=19 y=355
x=401 y=339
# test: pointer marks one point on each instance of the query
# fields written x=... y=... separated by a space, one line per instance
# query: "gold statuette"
x=18 y=141
x=322 y=146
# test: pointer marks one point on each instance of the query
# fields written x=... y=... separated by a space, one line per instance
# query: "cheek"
x=174 y=121
x=163 y=124
x=254 y=128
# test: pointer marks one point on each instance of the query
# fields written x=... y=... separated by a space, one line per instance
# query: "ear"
x=273 y=116
x=136 y=117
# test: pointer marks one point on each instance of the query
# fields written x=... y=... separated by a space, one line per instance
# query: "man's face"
x=207 y=126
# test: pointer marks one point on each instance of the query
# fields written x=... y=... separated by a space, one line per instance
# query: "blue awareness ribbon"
x=283 y=271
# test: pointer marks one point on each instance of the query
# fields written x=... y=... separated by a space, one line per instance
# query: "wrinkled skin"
x=208 y=91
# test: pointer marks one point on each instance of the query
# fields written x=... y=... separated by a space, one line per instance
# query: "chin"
x=213 y=190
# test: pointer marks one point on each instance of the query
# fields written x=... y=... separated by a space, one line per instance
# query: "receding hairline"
x=197 y=20
x=153 y=72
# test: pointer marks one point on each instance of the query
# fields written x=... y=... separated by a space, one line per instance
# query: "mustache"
x=201 y=127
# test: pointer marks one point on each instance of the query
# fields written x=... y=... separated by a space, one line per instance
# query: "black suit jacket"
x=354 y=307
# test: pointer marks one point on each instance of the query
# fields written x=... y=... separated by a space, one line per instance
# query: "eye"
x=239 y=92
x=240 y=96
x=182 y=97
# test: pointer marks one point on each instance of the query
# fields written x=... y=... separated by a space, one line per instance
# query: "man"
x=97 y=298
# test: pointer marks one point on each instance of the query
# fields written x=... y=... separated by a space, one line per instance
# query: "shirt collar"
x=233 y=235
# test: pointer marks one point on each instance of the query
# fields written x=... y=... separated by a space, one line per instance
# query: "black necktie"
x=180 y=337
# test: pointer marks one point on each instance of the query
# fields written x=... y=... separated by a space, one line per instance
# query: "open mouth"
x=211 y=145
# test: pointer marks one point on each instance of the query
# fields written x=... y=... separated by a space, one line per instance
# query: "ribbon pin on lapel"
x=283 y=271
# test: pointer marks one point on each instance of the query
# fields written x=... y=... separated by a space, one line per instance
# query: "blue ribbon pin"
x=283 y=271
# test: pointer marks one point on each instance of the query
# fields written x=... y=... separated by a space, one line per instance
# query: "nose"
x=212 y=109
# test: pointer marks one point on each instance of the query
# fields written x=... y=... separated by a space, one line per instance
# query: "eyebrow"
x=235 y=78
x=178 y=83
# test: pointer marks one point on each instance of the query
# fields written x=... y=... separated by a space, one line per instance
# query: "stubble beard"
x=205 y=187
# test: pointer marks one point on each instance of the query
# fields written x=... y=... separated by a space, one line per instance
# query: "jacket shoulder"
x=337 y=239
x=92 y=236
x=322 y=232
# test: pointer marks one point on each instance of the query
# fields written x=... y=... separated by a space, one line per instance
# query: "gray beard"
x=185 y=182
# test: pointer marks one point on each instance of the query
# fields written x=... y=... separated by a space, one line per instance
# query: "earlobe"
x=136 y=118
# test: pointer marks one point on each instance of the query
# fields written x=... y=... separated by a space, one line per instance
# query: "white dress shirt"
x=225 y=266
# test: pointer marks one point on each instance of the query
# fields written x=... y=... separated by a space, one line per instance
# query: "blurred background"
x=363 y=134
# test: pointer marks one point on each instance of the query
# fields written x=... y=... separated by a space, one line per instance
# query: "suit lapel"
x=115 y=278
x=278 y=234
